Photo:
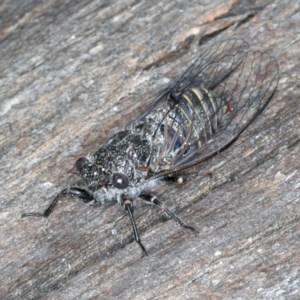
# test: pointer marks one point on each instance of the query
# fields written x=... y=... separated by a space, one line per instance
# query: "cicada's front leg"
x=84 y=195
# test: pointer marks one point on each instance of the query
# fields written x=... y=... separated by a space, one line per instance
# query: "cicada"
x=202 y=113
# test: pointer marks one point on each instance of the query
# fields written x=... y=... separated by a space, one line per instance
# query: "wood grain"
x=74 y=72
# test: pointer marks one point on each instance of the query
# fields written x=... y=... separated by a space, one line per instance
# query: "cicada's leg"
x=128 y=207
x=150 y=199
x=83 y=195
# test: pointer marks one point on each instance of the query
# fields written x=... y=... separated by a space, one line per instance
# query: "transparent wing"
x=210 y=105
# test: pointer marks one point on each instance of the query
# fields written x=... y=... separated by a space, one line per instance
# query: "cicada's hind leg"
x=128 y=207
x=83 y=195
x=150 y=199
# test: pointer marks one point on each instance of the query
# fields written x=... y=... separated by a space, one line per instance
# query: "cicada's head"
x=93 y=176
x=98 y=176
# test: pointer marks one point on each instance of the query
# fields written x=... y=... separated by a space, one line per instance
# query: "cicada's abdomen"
x=196 y=113
x=191 y=120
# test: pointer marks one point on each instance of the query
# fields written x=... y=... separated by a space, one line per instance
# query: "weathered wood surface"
x=73 y=72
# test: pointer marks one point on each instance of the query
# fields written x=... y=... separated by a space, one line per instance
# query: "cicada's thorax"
x=127 y=153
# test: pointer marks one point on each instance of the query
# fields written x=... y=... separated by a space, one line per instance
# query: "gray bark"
x=74 y=72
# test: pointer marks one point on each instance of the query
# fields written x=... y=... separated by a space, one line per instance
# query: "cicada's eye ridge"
x=120 y=181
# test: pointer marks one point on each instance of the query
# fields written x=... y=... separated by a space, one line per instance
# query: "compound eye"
x=120 y=181
x=80 y=163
